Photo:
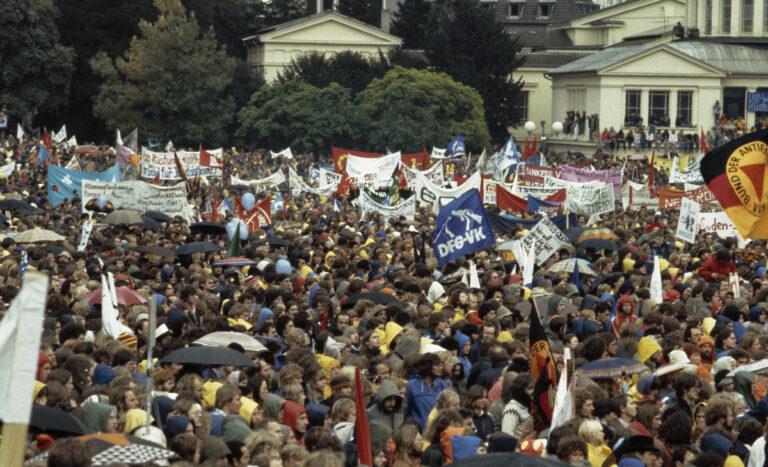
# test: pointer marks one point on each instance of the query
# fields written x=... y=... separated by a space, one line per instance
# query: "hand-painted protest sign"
x=265 y=183
x=463 y=229
x=588 y=200
x=434 y=174
x=611 y=176
x=429 y=193
x=63 y=183
x=405 y=208
x=688 y=222
x=545 y=238
x=139 y=196
x=691 y=174
x=372 y=172
x=328 y=177
x=717 y=223
x=670 y=198
x=163 y=164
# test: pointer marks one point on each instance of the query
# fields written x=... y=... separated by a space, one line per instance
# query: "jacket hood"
x=95 y=415
x=291 y=413
x=389 y=389
x=234 y=428
x=464 y=447
x=646 y=348
x=390 y=332
x=272 y=405
x=462 y=339
x=407 y=346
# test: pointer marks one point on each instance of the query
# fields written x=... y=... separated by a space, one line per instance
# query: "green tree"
x=367 y=11
x=231 y=20
x=172 y=81
x=351 y=70
x=280 y=11
x=464 y=39
x=409 y=108
x=298 y=115
x=410 y=23
x=35 y=68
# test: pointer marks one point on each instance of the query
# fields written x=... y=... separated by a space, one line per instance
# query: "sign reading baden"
x=464 y=228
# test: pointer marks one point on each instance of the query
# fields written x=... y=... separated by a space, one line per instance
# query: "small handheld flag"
x=456 y=147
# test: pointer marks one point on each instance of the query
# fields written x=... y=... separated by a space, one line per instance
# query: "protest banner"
x=588 y=200
x=688 y=221
x=691 y=174
x=64 y=184
x=545 y=238
x=327 y=177
x=537 y=191
x=7 y=169
x=372 y=172
x=489 y=191
x=85 y=235
x=433 y=174
x=610 y=176
x=717 y=223
x=405 y=208
x=670 y=198
x=464 y=228
x=299 y=186
x=139 y=196
x=638 y=196
x=265 y=183
x=285 y=153
x=418 y=160
x=156 y=164
x=434 y=195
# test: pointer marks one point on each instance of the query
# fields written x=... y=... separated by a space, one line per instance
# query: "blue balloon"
x=232 y=229
x=101 y=201
x=248 y=201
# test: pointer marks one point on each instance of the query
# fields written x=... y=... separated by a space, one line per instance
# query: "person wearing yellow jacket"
x=591 y=432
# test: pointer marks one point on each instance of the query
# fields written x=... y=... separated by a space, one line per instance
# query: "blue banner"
x=464 y=228
x=508 y=225
x=536 y=205
x=757 y=101
x=64 y=183
x=455 y=148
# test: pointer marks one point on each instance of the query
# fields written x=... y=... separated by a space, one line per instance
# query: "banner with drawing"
x=372 y=172
x=163 y=165
x=546 y=238
x=139 y=196
x=405 y=208
x=588 y=200
x=688 y=220
x=692 y=173
x=265 y=183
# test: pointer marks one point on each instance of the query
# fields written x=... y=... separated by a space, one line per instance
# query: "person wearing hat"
x=637 y=451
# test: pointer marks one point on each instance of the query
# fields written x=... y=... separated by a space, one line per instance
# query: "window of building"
x=521 y=106
x=684 y=108
x=545 y=10
x=765 y=17
x=576 y=99
x=747 y=16
x=734 y=101
x=708 y=17
x=515 y=10
x=632 y=108
x=658 y=108
x=726 y=26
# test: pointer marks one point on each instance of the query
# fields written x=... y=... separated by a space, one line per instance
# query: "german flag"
x=736 y=174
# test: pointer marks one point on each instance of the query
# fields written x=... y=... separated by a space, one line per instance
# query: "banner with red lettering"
x=417 y=161
x=671 y=198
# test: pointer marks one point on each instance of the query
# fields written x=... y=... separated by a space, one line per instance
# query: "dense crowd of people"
x=445 y=366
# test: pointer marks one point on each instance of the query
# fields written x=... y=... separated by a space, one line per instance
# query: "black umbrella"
x=208 y=356
x=505 y=459
x=150 y=224
x=375 y=297
x=15 y=205
x=158 y=216
x=274 y=240
x=208 y=228
x=196 y=247
x=50 y=420
x=599 y=244
x=153 y=250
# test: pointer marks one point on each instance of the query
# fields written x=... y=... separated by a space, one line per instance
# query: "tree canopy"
x=367 y=11
x=409 y=23
x=35 y=68
x=298 y=115
x=409 y=108
x=171 y=82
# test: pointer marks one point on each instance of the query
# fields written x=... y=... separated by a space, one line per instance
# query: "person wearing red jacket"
x=718 y=267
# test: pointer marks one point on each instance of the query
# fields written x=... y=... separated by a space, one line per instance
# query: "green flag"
x=234 y=246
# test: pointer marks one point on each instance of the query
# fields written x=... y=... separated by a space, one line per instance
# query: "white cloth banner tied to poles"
x=285 y=154
x=136 y=195
x=436 y=196
x=299 y=186
x=163 y=164
x=405 y=208
x=265 y=183
x=20 y=331
x=372 y=171
x=588 y=200
x=328 y=177
x=434 y=174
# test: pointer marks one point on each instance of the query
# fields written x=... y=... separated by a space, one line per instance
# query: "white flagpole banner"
x=588 y=200
x=545 y=238
x=85 y=235
x=138 y=196
x=299 y=186
x=285 y=153
x=372 y=171
x=163 y=164
x=262 y=183
x=436 y=196
x=437 y=153
x=405 y=208
x=20 y=332
x=688 y=221
x=60 y=135
x=434 y=174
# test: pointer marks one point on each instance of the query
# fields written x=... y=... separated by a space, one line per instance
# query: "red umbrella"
x=125 y=296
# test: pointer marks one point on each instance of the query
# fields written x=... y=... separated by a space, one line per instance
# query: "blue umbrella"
x=611 y=368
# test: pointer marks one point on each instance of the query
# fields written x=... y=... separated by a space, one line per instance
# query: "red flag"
x=703 y=142
x=533 y=150
x=180 y=167
x=541 y=365
x=526 y=148
x=47 y=140
x=362 y=433
x=207 y=160
x=507 y=201
x=258 y=217
x=345 y=185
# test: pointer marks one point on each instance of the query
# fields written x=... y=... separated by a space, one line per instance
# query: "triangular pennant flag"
x=72 y=141
x=118 y=138
x=60 y=135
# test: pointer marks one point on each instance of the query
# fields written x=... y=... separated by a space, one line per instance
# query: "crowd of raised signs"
x=318 y=291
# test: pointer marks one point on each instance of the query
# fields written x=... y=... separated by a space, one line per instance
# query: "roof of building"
x=731 y=59
x=540 y=36
x=308 y=18
x=549 y=60
x=562 y=10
